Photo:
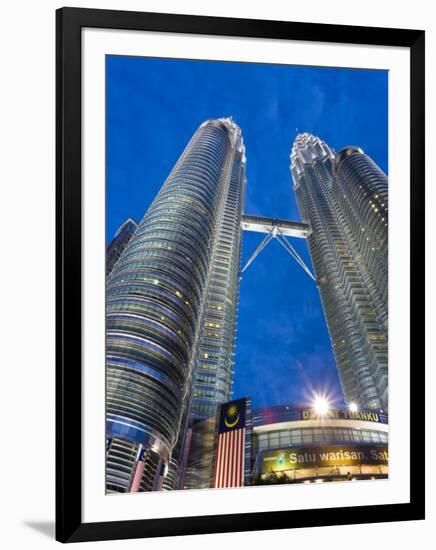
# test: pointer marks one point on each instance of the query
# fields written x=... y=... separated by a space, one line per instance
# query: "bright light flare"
x=353 y=407
x=321 y=405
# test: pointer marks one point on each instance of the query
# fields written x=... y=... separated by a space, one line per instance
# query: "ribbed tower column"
x=155 y=302
x=216 y=345
x=361 y=189
x=351 y=303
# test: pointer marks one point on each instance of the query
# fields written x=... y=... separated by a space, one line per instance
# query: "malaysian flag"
x=230 y=454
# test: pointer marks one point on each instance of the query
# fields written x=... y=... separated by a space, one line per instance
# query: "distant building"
x=119 y=242
x=344 y=199
x=171 y=302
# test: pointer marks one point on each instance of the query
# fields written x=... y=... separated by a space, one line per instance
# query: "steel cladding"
x=156 y=298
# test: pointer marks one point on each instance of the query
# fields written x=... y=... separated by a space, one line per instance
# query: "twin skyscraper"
x=172 y=294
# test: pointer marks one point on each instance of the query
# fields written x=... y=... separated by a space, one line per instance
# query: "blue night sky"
x=154 y=106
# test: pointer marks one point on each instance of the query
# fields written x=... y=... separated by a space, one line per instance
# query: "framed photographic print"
x=240 y=282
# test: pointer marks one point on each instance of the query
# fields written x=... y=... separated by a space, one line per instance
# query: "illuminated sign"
x=369 y=416
x=297 y=458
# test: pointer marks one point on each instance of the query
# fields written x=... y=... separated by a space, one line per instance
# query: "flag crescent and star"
x=230 y=454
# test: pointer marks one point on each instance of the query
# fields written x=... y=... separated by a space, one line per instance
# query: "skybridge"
x=287 y=228
x=279 y=229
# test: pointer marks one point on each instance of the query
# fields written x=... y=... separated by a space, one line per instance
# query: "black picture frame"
x=69 y=22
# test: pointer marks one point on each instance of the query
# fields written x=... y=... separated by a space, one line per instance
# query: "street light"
x=353 y=407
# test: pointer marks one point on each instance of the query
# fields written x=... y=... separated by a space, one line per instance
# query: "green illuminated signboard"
x=297 y=458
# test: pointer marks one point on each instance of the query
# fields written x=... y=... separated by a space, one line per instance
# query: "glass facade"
x=214 y=361
x=305 y=436
x=164 y=290
x=341 y=197
x=361 y=189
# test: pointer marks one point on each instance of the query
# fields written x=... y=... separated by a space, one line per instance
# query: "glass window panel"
x=307 y=436
x=285 y=439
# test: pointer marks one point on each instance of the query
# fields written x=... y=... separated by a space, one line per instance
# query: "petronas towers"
x=172 y=294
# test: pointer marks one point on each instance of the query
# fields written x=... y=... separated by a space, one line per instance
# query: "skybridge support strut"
x=291 y=250
x=278 y=229
x=258 y=250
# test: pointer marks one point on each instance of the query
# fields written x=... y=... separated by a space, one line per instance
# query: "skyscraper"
x=214 y=354
x=214 y=360
x=119 y=242
x=177 y=276
x=344 y=199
